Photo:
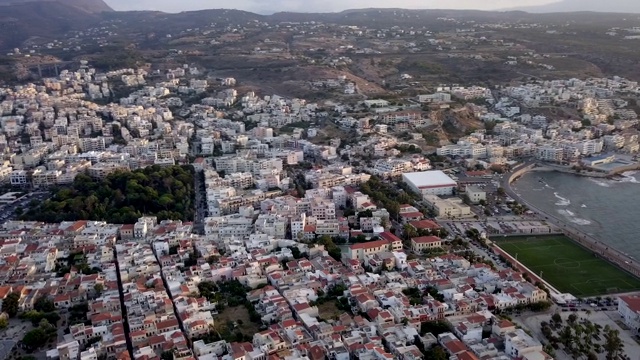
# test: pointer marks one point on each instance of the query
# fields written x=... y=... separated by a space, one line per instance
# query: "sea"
x=609 y=210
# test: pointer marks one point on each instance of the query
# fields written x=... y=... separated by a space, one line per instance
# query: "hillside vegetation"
x=122 y=197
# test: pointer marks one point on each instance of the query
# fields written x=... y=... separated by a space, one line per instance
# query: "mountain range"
x=24 y=19
x=89 y=6
x=618 y=6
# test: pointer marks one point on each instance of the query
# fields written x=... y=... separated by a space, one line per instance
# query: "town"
x=300 y=247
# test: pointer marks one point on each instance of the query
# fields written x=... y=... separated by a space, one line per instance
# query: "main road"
x=597 y=247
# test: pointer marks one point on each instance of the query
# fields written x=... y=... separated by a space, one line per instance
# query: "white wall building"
x=433 y=182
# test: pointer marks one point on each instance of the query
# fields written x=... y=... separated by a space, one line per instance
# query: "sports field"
x=567 y=266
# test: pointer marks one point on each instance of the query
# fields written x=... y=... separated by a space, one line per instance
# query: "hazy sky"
x=271 y=6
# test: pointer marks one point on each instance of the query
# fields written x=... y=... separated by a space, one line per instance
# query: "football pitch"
x=567 y=266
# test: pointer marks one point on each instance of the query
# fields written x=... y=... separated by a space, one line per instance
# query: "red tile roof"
x=426 y=240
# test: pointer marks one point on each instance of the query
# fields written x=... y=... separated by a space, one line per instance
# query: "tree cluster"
x=77 y=260
x=582 y=338
x=331 y=247
x=123 y=197
x=386 y=195
x=229 y=293
x=10 y=304
x=39 y=336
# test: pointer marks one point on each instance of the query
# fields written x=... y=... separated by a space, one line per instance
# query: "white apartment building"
x=339 y=196
x=450 y=208
x=434 y=98
x=329 y=227
x=550 y=153
x=589 y=147
x=323 y=209
x=271 y=225
x=476 y=194
x=392 y=167
x=92 y=144
x=629 y=309
x=101 y=170
x=238 y=180
x=518 y=344
x=297 y=225
x=19 y=178
x=464 y=150
x=45 y=178
x=614 y=141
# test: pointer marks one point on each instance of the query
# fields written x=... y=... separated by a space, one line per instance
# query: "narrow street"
x=122 y=306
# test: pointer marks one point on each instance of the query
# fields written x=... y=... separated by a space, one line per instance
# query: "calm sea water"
x=607 y=209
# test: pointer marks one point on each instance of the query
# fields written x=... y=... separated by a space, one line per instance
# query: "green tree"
x=10 y=304
x=434 y=327
x=4 y=323
x=35 y=338
x=167 y=355
x=44 y=304
x=613 y=346
x=98 y=288
x=436 y=353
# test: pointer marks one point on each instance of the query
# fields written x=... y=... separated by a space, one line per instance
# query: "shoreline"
x=612 y=255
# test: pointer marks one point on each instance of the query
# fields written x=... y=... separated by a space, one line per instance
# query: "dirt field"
x=233 y=314
x=329 y=310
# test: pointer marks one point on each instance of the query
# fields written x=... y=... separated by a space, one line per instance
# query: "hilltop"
x=585 y=5
x=90 y=6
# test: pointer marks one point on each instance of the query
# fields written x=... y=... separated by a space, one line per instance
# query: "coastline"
x=588 y=242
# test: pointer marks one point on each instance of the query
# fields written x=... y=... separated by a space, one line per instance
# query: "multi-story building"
x=629 y=309
x=323 y=209
x=389 y=242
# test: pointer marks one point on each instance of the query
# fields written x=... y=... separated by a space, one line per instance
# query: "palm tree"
x=612 y=345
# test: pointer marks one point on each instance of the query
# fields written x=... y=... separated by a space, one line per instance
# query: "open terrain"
x=567 y=266
x=235 y=319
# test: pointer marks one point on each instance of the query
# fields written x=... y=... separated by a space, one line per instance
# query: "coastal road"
x=600 y=249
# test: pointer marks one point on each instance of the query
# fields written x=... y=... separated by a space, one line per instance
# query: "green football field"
x=567 y=266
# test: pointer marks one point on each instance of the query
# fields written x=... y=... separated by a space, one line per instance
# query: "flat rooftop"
x=425 y=179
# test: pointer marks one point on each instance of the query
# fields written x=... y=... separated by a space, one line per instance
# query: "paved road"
x=620 y=259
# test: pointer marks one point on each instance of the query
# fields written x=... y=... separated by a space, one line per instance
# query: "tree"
x=613 y=346
x=35 y=338
x=98 y=288
x=44 y=304
x=166 y=355
x=409 y=231
x=556 y=318
x=436 y=353
x=4 y=323
x=10 y=304
x=434 y=327
x=501 y=191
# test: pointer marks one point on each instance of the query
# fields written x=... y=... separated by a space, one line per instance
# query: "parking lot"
x=8 y=211
x=500 y=226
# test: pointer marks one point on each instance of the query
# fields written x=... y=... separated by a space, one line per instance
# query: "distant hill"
x=90 y=6
x=617 y=6
x=49 y=19
x=25 y=19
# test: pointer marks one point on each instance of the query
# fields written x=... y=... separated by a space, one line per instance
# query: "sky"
x=271 y=6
